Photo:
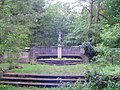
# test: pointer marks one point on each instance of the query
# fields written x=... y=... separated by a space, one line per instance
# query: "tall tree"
x=15 y=21
x=90 y=14
x=97 y=12
x=54 y=19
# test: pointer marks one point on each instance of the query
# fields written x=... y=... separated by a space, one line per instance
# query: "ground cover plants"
x=66 y=69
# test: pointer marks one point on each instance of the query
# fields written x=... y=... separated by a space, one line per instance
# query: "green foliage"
x=108 y=50
x=111 y=36
x=23 y=22
x=77 y=30
x=33 y=62
x=51 y=21
x=112 y=11
x=99 y=81
x=89 y=50
x=13 y=28
x=77 y=86
x=107 y=55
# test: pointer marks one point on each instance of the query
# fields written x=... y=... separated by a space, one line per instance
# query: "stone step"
x=40 y=80
x=43 y=76
x=30 y=84
x=43 y=80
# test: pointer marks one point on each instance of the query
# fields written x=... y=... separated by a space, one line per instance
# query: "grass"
x=52 y=69
x=106 y=69
x=9 y=87
x=61 y=70
x=79 y=69
x=4 y=65
x=76 y=86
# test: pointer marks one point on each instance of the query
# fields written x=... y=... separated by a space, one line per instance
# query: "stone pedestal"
x=59 y=51
x=59 y=46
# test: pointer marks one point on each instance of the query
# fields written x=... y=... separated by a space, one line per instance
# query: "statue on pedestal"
x=59 y=39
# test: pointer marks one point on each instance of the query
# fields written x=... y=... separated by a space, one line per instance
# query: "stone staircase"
x=40 y=80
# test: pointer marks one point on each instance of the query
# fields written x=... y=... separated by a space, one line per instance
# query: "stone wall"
x=23 y=57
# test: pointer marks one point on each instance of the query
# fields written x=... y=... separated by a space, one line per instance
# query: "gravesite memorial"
x=73 y=52
x=59 y=44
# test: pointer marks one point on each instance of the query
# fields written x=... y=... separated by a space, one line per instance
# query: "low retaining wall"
x=23 y=57
x=37 y=52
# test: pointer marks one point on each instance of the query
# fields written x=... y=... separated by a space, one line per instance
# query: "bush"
x=89 y=50
x=107 y=55
x=100 y=81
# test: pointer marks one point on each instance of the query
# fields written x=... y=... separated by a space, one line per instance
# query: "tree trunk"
x=90 y=14
x=97 y=12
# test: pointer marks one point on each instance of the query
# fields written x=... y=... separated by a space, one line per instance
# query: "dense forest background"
x=25 y=22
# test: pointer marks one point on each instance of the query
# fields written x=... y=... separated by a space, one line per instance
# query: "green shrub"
x=100 y=81
x=107 y=55
x=33 y=62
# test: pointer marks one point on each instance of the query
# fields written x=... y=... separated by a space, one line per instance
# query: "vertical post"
x=59 y=45
x=59 y=51
x=32 y=53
